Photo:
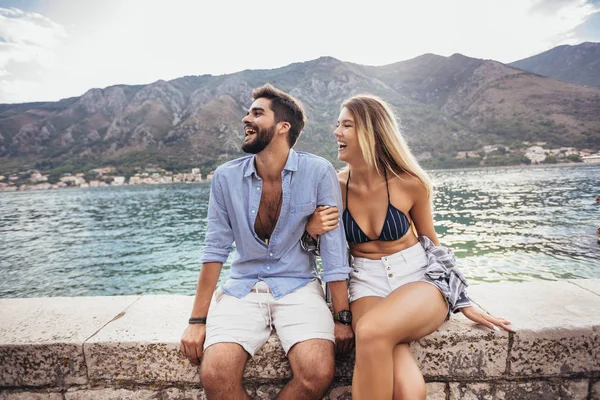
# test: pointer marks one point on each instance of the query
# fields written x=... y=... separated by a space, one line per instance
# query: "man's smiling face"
x=259 y=126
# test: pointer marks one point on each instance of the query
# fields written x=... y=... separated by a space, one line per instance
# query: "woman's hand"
x=485 y=319
x=324 y=219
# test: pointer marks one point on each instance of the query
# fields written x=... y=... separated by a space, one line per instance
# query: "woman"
x=398 y=292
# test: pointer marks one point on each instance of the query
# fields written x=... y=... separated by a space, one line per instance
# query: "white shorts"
x=298 y=316
x=381 y=277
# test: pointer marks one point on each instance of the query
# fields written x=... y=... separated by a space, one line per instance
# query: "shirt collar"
x=290 y=165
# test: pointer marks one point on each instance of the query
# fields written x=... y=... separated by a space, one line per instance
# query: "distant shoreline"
x=33 y=188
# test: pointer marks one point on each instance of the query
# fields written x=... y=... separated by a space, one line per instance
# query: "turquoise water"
x=507 y=224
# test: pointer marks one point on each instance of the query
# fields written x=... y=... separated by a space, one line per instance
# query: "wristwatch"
x=343 y=317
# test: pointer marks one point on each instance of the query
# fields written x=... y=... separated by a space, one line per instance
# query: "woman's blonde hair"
x=380 y=140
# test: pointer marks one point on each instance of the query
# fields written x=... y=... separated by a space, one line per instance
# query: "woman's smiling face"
x=347 y=137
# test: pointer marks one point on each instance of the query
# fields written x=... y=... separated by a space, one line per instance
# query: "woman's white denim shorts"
x=381 y=277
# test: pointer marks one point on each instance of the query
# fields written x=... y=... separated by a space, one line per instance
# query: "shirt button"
x=253 y=211
x=388 y=268
x=258 y=188
x=271 y=254
x=268 y=267
x=390 y=275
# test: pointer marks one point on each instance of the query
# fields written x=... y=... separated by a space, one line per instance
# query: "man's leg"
x=222 y=370
x=305 y=327
x=235 y=329
x=313 y=367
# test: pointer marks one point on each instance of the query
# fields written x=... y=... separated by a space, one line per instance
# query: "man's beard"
x=261 y=140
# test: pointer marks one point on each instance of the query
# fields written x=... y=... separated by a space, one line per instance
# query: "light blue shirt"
x=307 y=181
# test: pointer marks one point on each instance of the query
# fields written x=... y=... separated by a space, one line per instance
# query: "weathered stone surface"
x=269 y=362
x=183 y=394
x=461 y=349
x=113 y=394
x=471 y=391
x=436 y=391
x=596 y=390
x=340 y=393
x=268 y=392
x=546 y=389
x=556 y=324
x=5 y=395
x=41 y=340
x=593 y=285
x=143 y=345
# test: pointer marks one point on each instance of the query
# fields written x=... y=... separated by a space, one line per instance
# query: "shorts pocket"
x=218 y=295
x=355 y=274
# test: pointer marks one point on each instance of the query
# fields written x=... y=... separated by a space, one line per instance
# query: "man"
x=262 y=203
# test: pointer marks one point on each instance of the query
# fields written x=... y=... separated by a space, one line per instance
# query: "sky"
x=54 y=49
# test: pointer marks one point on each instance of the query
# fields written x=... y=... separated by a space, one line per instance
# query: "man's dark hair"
x=285 y=107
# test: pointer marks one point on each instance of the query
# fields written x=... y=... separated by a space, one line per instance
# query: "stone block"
x=460 y=349
x=269 y=362
x=471 y=391
x=593 y=285
x=268 y=391
x=340 y=393
x=596 y=390
x=543 y=389
x=41 y=340
x=556 y=325
x=183 y=394
x=113 y=394
x=436 y=391
x=6 y=395
x=142 y=347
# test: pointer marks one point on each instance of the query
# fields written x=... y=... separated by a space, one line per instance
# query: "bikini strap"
x=347 y=181
x=386 y=186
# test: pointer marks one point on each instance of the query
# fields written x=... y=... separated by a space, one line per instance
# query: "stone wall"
x=126 y=347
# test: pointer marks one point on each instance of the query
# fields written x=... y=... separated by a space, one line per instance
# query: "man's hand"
x=192 y=342
x=344 y=338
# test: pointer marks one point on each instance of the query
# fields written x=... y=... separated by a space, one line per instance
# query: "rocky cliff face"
x=445 y=104
x=575 y=64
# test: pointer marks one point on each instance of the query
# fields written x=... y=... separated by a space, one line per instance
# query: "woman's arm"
x=421 y=213
x=422 y=218
x=324 y=219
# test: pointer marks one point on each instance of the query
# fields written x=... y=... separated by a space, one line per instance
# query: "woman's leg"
x=408 y=313
x=408 y=379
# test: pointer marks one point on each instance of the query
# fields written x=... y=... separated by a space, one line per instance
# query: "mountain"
x=575 y=64
x=446 y=105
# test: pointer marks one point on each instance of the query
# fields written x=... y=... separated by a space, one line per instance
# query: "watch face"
x=345 y=317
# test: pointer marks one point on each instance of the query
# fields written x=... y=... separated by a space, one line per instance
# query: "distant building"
x=591 y=159
x=118 y=181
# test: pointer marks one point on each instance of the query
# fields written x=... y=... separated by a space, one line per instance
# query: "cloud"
x=15 y=91
x=552 y=7
x=27 y=37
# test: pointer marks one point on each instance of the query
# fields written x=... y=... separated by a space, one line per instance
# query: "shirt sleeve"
x=333 y=243
x=219 y=233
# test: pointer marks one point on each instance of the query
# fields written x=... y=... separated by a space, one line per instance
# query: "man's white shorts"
x=298 y=316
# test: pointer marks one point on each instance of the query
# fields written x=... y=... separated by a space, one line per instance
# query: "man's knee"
x=222 y=366
x=315 y=367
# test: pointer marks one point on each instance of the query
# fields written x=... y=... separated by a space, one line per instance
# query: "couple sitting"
x=401 y=287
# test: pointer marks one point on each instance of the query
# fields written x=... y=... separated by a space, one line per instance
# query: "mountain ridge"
x=445 y=104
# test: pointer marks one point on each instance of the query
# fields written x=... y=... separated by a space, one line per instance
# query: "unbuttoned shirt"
x=236 y=189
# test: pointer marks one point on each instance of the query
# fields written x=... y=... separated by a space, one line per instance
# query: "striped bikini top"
x=395 y=226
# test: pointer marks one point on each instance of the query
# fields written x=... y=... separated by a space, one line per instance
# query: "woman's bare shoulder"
x=410 y=184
